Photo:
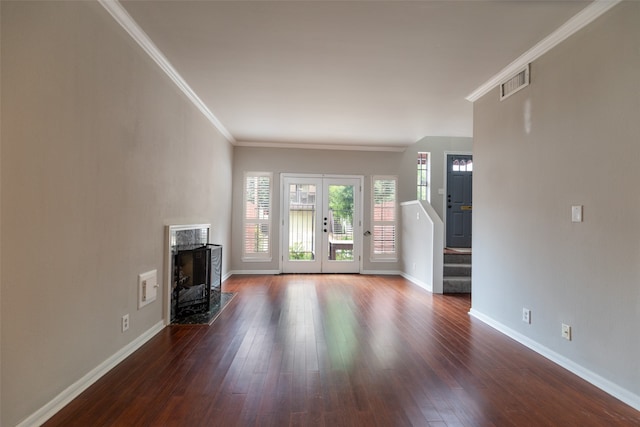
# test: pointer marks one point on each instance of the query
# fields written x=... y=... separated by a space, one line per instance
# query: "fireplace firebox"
x=197 y=278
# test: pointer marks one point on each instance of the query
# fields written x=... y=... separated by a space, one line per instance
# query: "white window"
x=257 y=216
x=423 y=177
x=384 y=218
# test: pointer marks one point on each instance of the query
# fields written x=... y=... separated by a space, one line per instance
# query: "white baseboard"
x=382 y=272
x=427 y=287
x=267 y=272
x=275 y=272
x=605 y=385
x=60 y=401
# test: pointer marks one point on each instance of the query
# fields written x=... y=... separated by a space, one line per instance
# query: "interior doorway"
x=322 y=221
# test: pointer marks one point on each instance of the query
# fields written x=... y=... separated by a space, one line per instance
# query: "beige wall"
x=0 y=217
x=280 y=160
x=437 y=147
x=366 y=163
x=570 y=138
x=99 y=152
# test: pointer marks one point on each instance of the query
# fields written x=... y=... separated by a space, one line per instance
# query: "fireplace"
x=197 y=279
x=193 y=272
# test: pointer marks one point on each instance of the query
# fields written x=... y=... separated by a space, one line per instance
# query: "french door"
x=321 y=227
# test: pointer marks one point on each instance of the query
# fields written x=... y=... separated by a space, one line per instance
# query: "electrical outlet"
x=125 y=322
x=566 y=332
x=526 y=315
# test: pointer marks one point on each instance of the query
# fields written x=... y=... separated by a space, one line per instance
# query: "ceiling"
x=356 y=73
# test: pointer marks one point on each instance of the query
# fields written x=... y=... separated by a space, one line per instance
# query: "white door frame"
x=357 y=222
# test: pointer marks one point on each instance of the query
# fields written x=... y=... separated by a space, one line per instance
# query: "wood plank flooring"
x=340 y=350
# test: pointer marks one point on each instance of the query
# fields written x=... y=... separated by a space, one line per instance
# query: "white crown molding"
x=573 y=25
x=123 y=18
x=385 y=148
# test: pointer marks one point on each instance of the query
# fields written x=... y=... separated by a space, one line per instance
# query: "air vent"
x=514 y=83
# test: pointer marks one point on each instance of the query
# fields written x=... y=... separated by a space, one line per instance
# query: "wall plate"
x=147 y=288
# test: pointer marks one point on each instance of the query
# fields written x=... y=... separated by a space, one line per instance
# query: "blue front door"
x=459 y=200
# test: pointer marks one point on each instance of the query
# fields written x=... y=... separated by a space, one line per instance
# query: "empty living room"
x=244 y=213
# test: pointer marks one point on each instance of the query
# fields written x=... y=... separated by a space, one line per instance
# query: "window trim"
x=386 y=257
x=427 y=170
x=257 y=256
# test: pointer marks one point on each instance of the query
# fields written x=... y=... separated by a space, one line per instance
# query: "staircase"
x=456 y=278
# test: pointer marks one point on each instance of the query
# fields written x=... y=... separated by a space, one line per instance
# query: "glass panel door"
x=301 y=225
x=341 y=197
x=319 y=235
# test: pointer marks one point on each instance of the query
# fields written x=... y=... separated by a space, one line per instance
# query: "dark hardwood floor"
x=340 y=350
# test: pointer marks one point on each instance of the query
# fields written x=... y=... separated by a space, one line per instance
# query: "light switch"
x=147 y=287
x=576 y=213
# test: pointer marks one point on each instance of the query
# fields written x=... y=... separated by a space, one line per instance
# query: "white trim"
x=256 y=272
x=357 y=223
x=61 y=400
x=573 y=25
x=385 y=148
x=319 y=175
x=123 y=18
x=418 y=282
x=254 y=259
x=428 y=170
x=382 y=272
x=604 y=384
